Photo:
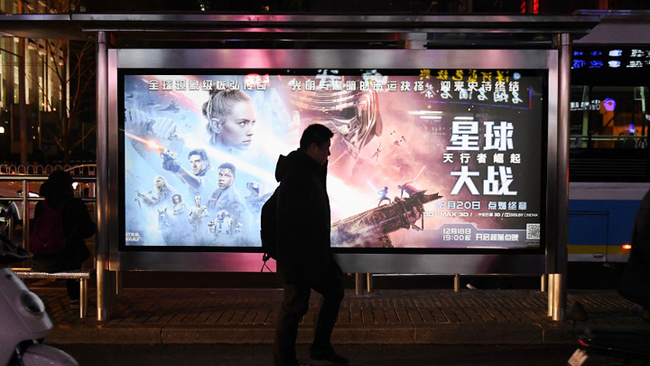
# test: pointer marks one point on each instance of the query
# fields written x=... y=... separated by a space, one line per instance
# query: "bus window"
x=608 y=117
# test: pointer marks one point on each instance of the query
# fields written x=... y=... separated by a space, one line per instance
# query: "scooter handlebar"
x=11 y=252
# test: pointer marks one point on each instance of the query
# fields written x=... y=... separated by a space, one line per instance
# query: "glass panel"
x=608 y=117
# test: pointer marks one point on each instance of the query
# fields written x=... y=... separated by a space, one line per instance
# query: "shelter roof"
x=380 y=30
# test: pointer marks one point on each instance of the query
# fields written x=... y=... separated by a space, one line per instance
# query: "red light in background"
x=626 y=246
x=582 y=343
x=522 y=7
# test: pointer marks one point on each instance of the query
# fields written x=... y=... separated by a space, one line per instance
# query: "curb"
x=443 y=334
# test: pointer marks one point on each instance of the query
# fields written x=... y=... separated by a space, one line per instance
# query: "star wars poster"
x=422 y=159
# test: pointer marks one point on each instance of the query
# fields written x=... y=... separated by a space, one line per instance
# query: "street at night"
x=366 y=355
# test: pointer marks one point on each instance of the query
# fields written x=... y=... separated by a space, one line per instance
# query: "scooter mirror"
x=11 y=252
x=577 y=312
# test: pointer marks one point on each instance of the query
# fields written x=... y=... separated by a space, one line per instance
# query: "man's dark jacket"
x=303 y=254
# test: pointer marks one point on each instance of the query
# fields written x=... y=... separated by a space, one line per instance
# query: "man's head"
x=198 y=160
x=315 y=141
x=197 y=199
x=226 y=175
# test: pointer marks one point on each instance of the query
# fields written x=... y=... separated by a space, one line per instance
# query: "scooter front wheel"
x=41 y=355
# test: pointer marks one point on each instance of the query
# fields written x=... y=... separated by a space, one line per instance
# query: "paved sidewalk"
x=247 y=316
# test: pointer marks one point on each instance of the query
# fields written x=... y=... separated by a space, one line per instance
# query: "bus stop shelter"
x=409 y=34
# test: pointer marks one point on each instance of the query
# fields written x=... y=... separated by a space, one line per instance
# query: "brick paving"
x=386 y=316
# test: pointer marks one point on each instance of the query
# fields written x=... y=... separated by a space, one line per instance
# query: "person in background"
x=77 y=226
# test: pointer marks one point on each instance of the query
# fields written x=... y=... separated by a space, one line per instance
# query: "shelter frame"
x=397 y=263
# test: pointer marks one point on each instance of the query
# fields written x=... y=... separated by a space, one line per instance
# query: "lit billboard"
x=441 y=159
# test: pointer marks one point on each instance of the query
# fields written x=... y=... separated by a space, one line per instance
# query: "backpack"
x=47 y=236
x=269 y=228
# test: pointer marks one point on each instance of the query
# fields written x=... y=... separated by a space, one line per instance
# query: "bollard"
x=555 y=296
x=551 y=293
x=357 y=284
x=457 y=282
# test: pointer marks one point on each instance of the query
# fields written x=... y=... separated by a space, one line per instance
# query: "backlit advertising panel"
x=421 y=159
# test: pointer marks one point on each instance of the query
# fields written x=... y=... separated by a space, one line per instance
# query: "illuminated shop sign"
x=593 y=105
x=421 y=159
x=611 y=58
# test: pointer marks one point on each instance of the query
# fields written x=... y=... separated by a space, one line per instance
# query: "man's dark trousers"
x=295 y=305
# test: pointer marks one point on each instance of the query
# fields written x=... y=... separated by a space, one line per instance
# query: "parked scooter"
x=631 y=346
x=23 y=321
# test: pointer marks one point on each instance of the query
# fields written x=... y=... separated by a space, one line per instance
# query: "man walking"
x=304 y=256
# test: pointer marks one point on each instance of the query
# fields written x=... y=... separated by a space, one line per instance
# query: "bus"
x=609 y=156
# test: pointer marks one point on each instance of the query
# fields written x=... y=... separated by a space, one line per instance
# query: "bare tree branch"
x=85 y=136
x=69 y=65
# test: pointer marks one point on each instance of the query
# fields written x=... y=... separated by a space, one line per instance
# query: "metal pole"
x=22 y=80
x=561 y=257
x=357 y=284
x=551 y=294
x=558 y=288
x=552 y=172
x=83 y=299
x=457 y=282
x=26 y=214
x=542 y=283
x=369 y=282
x=101 y=249
x=118 y=283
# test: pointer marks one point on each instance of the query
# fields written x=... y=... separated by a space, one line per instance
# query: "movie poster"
x=424 y=159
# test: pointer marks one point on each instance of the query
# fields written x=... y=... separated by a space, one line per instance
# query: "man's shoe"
x=642 y=313
x=300 y=364
x=330 y=356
